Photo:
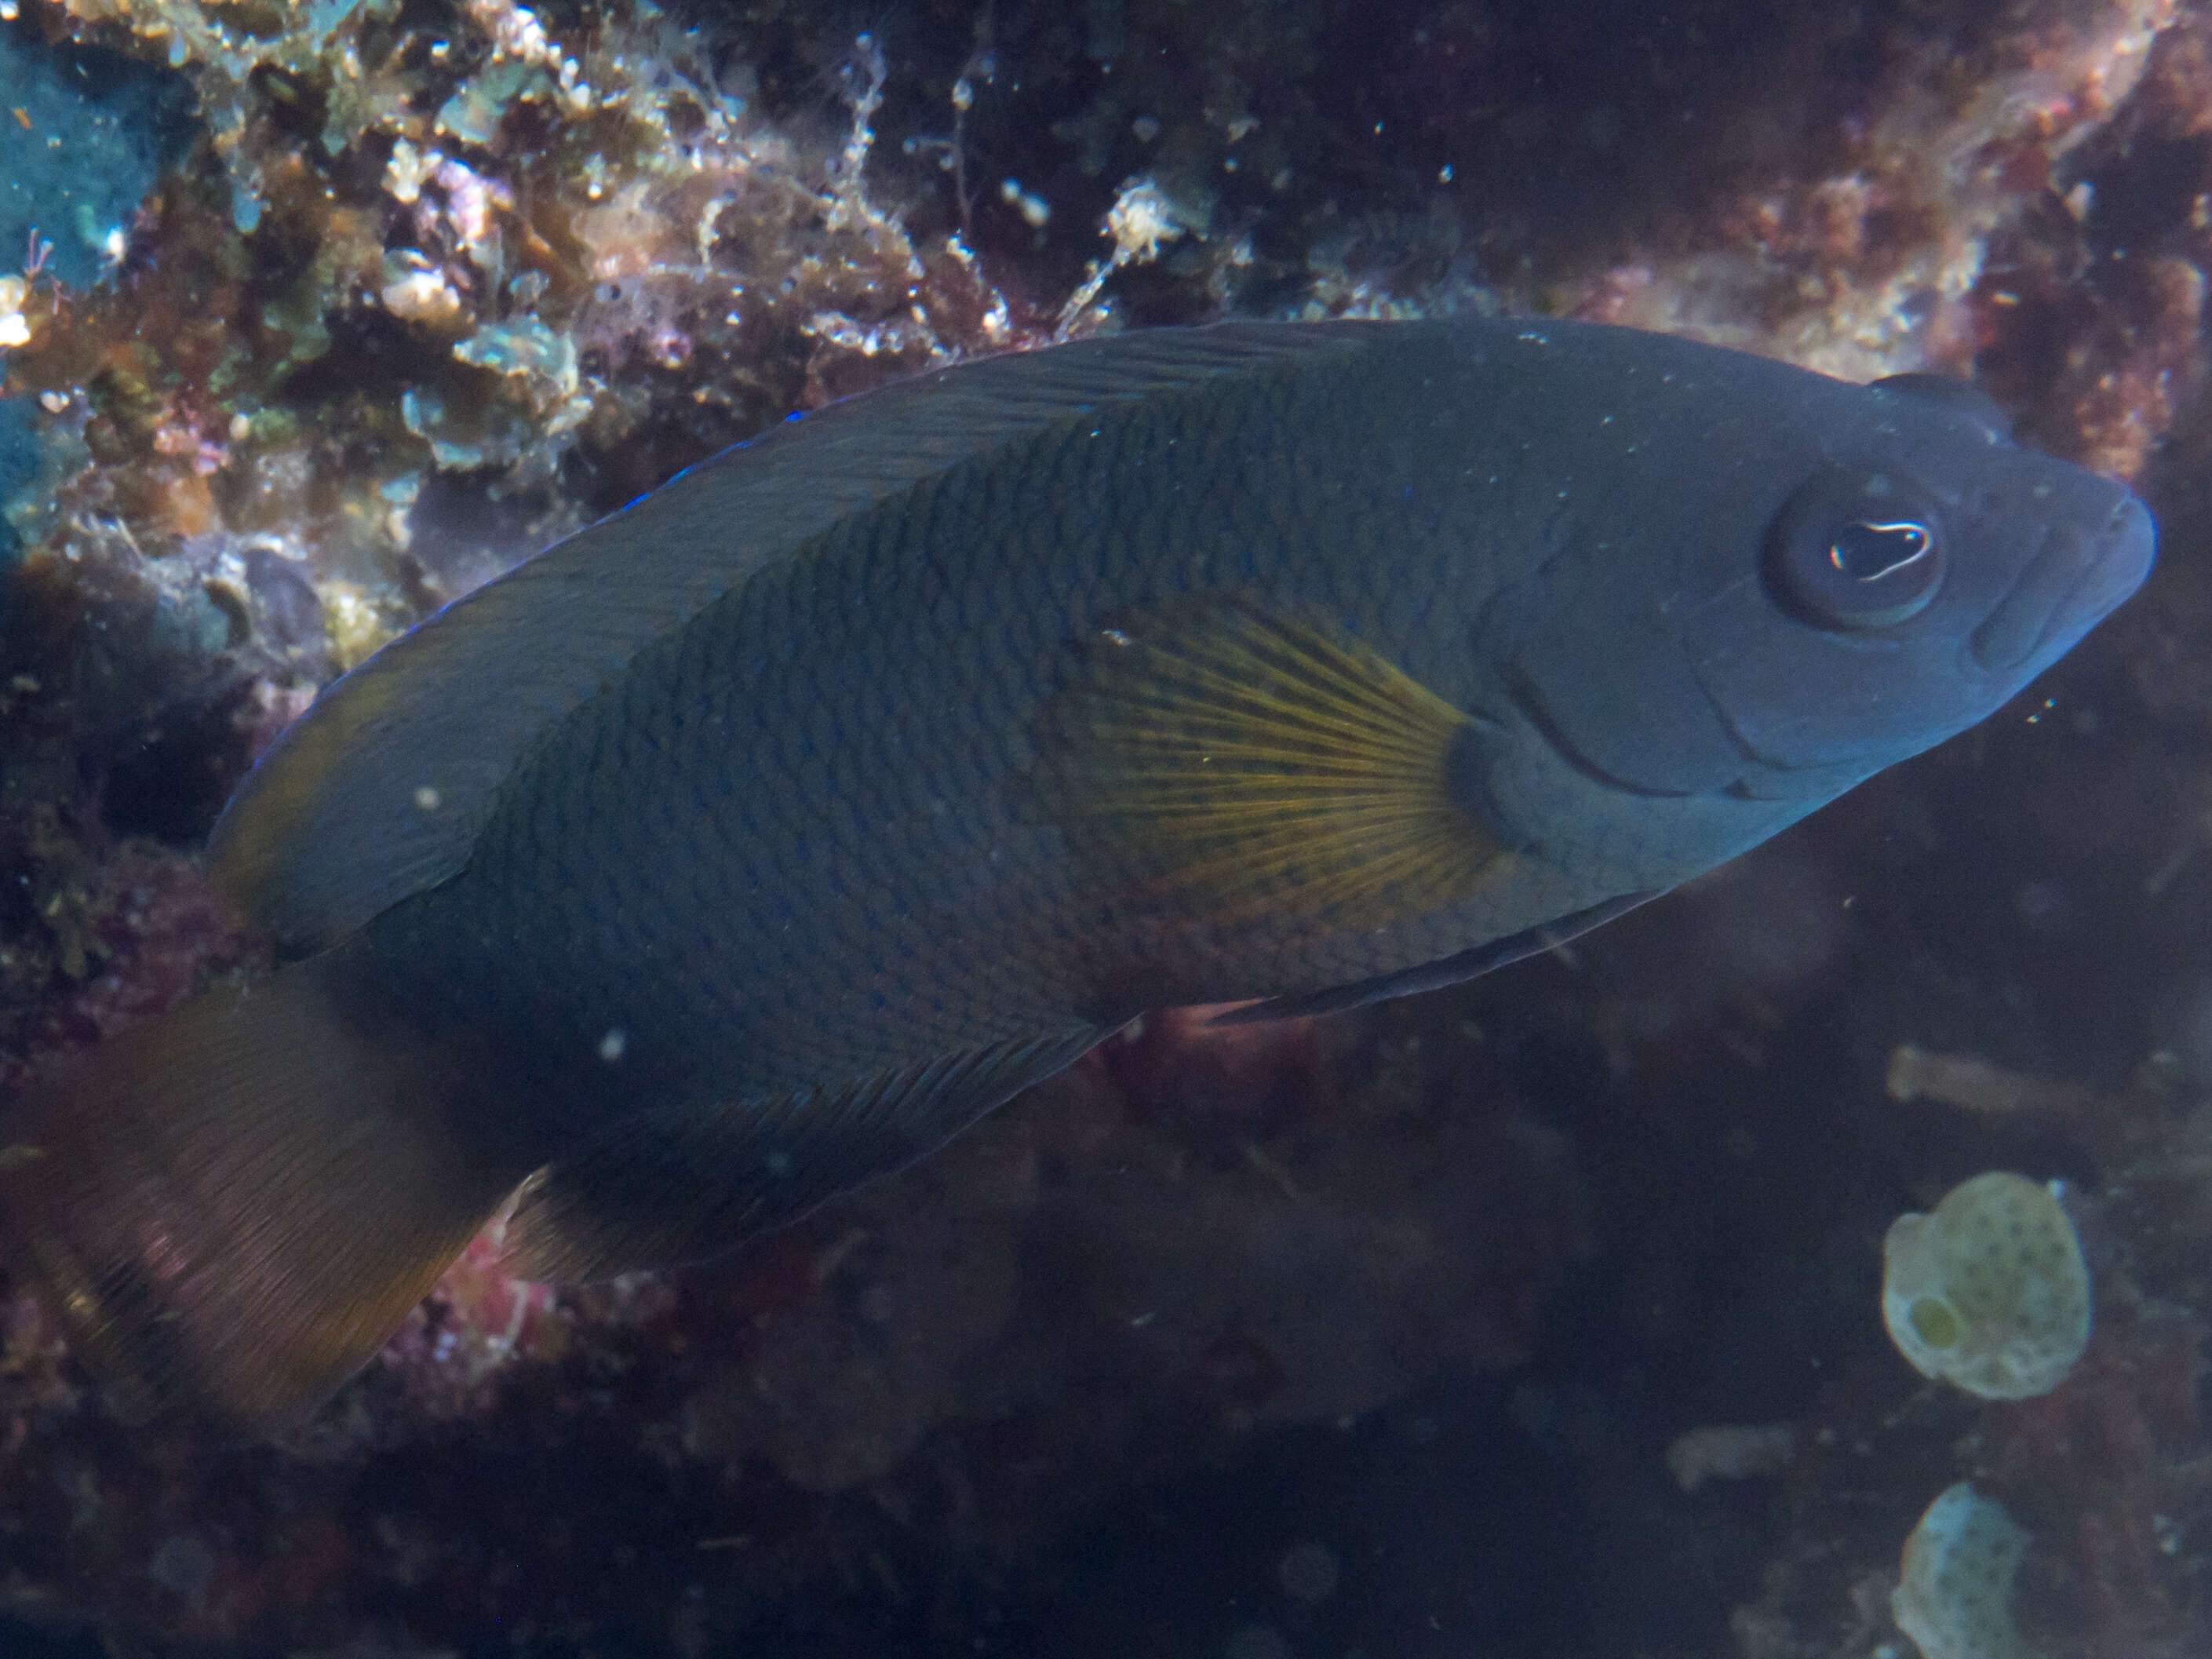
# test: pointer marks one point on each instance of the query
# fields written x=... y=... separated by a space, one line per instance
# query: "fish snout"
x=2082 y=572
x=2122 y=559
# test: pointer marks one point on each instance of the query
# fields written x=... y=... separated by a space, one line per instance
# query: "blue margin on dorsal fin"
x=381 y=788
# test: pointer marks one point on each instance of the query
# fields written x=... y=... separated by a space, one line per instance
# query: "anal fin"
x=671 y=1185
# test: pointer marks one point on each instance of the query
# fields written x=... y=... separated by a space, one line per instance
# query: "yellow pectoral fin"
x=1243 y=766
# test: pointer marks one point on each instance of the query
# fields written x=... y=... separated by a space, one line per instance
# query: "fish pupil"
x=1867 y=552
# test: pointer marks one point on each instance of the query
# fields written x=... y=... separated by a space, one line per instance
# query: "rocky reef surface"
x=1543 y=1316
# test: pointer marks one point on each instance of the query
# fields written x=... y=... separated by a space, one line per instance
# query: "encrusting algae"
x=499 y=253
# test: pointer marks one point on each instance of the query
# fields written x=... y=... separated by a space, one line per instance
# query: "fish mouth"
x=2080 y=574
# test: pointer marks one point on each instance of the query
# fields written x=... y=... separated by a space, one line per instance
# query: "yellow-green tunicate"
x=1990 y=1291
x=1954 y=1593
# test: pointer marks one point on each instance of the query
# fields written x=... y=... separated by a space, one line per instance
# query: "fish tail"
x=234 y=1206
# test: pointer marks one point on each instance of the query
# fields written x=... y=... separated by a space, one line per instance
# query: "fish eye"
x=1870 y=552
x=1856 y=551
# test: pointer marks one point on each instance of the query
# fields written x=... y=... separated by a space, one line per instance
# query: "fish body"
x=758 y=837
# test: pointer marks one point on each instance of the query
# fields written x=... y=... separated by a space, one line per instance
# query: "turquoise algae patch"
x=83 y=134
x=1990 y=1291
x=1953 y=1596
x=19 y=459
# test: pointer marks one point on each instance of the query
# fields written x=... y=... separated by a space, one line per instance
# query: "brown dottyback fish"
x=752 y=841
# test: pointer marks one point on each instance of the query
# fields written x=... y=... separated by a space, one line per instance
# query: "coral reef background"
x=1537 y=1317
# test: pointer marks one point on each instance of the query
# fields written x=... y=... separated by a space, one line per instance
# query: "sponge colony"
x=1990 y=1291
x=1955 y=1595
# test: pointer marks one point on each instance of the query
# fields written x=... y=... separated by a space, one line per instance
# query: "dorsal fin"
x=381 y=789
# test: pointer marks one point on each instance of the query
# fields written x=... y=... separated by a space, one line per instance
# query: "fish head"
x=1910 y=589
x=1875 y=571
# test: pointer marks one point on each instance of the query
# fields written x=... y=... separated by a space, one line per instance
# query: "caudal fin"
x=234 y=1206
